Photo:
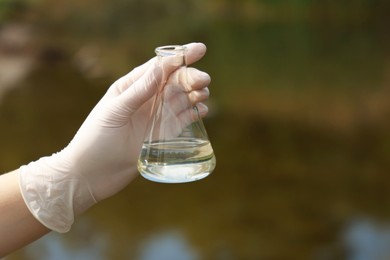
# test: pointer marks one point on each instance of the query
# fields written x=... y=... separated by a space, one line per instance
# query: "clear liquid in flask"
x=179 y=160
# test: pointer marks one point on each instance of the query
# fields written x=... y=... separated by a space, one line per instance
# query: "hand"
x=101 y=159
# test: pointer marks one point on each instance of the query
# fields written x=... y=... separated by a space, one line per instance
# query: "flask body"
x=176 y=147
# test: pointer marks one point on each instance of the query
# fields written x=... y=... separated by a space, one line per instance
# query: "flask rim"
x=170 y=50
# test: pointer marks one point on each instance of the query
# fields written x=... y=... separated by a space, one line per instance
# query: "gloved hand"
x=102 y=157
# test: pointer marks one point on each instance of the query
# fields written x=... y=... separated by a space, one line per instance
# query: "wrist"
x=54 y=193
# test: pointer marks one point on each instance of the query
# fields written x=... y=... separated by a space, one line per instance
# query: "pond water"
x=300 y=128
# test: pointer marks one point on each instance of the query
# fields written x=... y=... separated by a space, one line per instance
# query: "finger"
x=182 y=101
x=198 y=96
x=195 y=51
x=197 y=79
x=175 y=123
x=182 y=92
x=175 y=56
x=188 y=79
x=202 y=109
x=142 y=89
x=127 y=80
x=192 y=115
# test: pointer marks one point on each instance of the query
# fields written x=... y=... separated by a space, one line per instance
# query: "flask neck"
x=175 y=54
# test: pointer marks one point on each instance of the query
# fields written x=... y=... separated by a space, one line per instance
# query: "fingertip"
x=202 y=109
x=205 y=78
x=199 y=95
x=197 y=79
x=196 y=45
x=195 y=51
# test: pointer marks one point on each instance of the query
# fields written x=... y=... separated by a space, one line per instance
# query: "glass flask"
x=176 y=147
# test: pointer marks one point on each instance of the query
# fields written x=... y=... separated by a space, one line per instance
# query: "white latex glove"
x=102 y=157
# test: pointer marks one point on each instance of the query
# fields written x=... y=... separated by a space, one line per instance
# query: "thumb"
x=142 y=89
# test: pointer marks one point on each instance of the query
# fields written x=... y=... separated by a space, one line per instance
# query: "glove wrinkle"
x=55 y=198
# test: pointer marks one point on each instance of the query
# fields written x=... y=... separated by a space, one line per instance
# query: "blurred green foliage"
x=298 y=114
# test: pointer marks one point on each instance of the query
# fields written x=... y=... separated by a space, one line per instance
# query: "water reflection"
x=367 y=239
x=53 y=247
x=167 y=246
x=360 y=239
x=84 y=243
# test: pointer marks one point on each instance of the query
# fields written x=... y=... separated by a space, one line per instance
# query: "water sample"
x=176 y=147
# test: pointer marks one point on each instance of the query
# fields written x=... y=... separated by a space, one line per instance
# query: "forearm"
x=18 y=227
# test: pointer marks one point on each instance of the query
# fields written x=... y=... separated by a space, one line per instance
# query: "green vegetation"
x=299 y=116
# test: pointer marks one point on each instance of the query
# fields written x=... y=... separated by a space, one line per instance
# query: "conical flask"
x=176 y=147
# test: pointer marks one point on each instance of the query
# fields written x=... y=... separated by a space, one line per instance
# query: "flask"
x=176 y=147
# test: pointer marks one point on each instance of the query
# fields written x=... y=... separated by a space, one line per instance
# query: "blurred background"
x=299 y=121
